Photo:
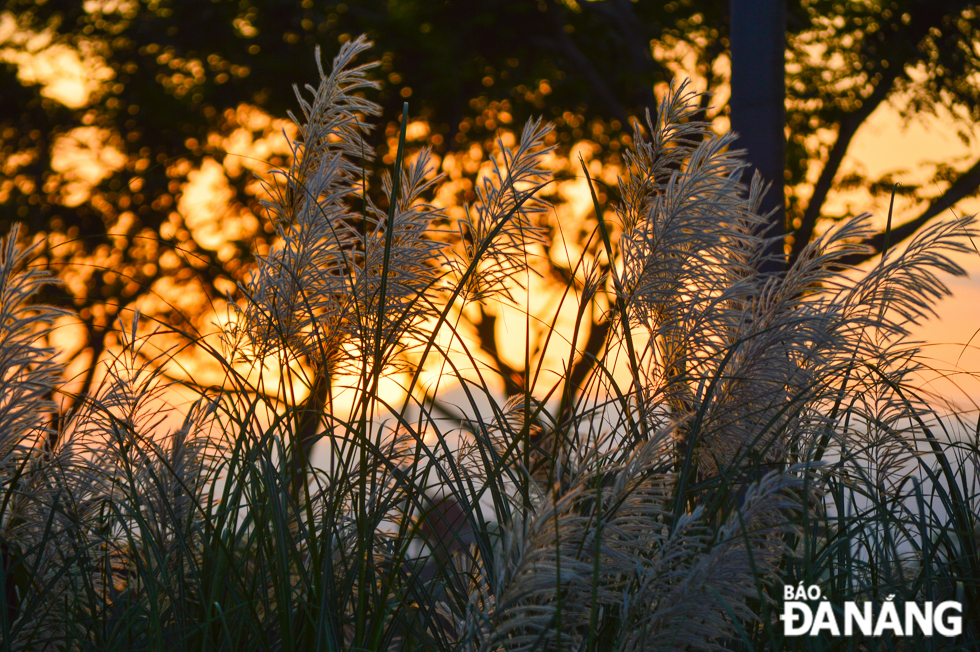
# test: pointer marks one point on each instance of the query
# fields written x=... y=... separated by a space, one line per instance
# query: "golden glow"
x=84 y=157
x=67 y=75
x=252 y=141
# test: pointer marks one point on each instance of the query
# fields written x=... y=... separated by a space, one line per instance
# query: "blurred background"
x=134 y=133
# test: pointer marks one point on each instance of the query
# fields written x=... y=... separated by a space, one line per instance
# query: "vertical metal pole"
x=758 y=44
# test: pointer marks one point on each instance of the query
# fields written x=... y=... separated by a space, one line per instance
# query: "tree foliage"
x=176 y=91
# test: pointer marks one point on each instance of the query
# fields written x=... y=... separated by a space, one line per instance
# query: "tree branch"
x=97 y=343
x=964 y=186
x=925 y=17
x=849 y=126
x=486 y=333
x=590 y=353
x=620 y=14
x=562 y=43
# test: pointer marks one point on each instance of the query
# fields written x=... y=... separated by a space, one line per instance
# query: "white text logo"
x=800 y=618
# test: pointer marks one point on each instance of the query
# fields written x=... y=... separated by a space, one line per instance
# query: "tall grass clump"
x=738 y=431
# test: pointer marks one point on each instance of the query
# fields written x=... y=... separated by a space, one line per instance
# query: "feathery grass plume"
x=763 y=352
x=409 y=264
x=687 y=231
x=321 y=289
x=807 y=331
x=767 y=367
x=688 y=245
x=29 y=373
x=346 y=290
x=523 y=423
x=498 y=232
x=748 y=369
x=110 y=525
x=296 y=296
x=700 y=585
x=29 y=376
x=602 y=559
x=683 y=218
x=162 y=474
x=538 y=590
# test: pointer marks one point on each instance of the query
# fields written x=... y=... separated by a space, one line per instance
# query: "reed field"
x=738 y=434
